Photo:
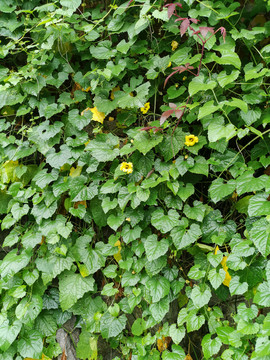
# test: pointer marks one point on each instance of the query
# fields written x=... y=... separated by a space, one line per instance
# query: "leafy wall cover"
x=135 y=179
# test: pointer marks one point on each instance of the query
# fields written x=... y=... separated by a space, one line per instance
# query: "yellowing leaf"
x=162 y=344
x=74 y=172
x=188 y=357
x=8 y=171
x=118 y=255
x=44 y=357
x=97 y=115
x=77 y=203
x=228 y=277
x=83 y=270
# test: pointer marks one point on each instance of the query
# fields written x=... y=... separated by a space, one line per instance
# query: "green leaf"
x=43 y=178
x=247 y=181
x=228 y=58
x=196 y=212
x=111 y=326
x=183 y=237
x=160 y=309
x=114 y=221
x=196 y=273
x=238 y=103
x=108 y=204
x=72 y=287
x=8 y=332
x=154 y=248
x=19 y=211
x=200 y=296
x=46 y=324
x=177 y=335
x=259 y=205
x=210 y=346
x=172 y=143
x=104 y=147
x=93 y=259
x=207 y=109
x=251 y=116
x=247 y=328
x=262 y=295
x=216 y=278
x=138 y=327
x=199 y=84
x=13 y=263
x=185 y=190
x=27 y=311
x=144 y=141
x=109 y=290
x=87 y=347
x=194 y=322
x=165 y=223
x=218 y=190
x=224 y=79
x=130 y=234
x=260 y=236
x=183 y=165
x=158 y=287
x=31 y=345
x=237 y=288
x=217 y=130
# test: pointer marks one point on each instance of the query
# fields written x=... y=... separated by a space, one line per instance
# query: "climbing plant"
x=135 y=178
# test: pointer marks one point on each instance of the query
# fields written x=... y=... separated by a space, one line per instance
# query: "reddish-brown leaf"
x=165 y=116
x=171 y=8
x=179 y=113
x=172 y=106
x=184 y=26
x=180 y=5
x=205 y=29
x=223 y=33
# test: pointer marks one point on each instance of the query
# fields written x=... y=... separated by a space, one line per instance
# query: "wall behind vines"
x=135 y=179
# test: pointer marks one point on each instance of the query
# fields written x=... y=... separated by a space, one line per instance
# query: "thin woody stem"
x=202 y=53
x=185 y=106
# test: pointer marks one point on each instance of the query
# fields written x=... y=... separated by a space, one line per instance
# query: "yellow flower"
x=111 y=118
x=145 y=108
x=174 y=45
x=126 y=167
x=191 y=140
x=184 y=78
x=127 y=219
x=170 y=64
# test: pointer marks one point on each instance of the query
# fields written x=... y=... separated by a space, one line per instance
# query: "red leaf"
x=184 y=26
x=180 y=19
x=223 y=32
x=179 y=113
x=171 y=8
x=165 y=116
x=172 y=106
x=205 y=29
x=167 y=78
x=195 y=21
x=180 y=5
x=130 y=1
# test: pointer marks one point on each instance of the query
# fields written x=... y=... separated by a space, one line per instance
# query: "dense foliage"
x=143 y=210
